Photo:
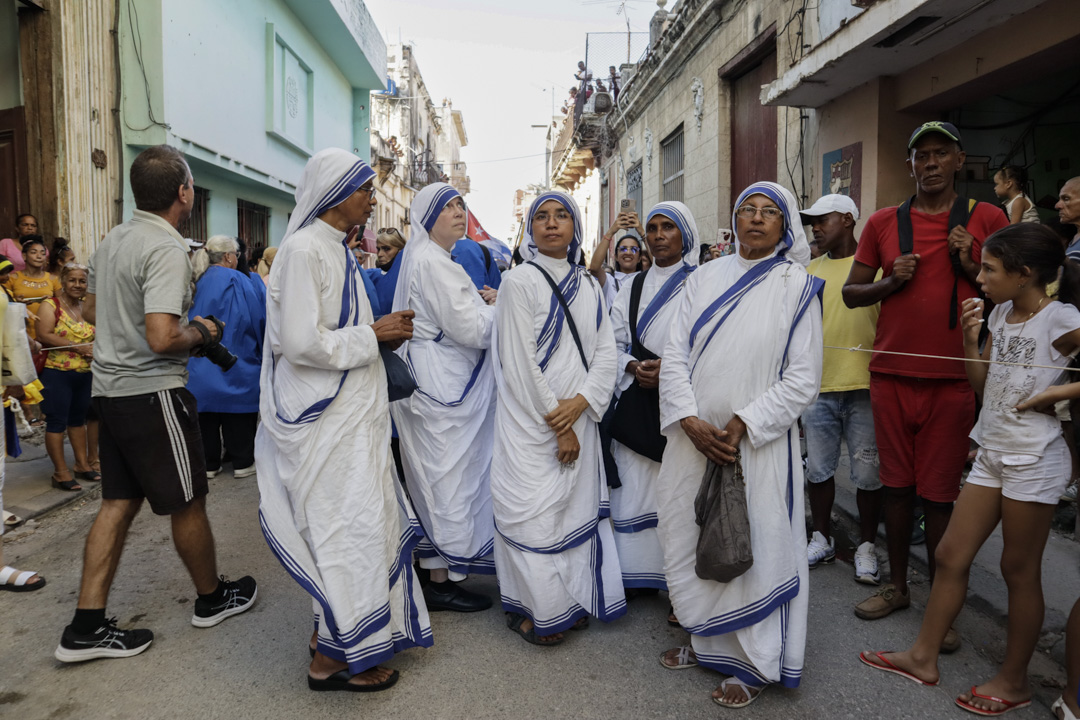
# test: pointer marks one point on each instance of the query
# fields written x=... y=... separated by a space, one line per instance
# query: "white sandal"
x=21 y=583
x=1066 y=713
x=684 y=659
x=11 y=520
x=751 y=696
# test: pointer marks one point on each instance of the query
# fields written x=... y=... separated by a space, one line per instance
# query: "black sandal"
x=670 y=612
x=514 y=620
x=89 y=475
x=68 y=485
x=340 y=681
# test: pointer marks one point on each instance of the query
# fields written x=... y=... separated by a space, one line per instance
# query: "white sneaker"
x=211 y=474
x=866 y=565
x=244 y=472
x=820 y=551
x=1070 y=493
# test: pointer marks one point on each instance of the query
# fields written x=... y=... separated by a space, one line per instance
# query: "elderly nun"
x=331 y=509
x=743 y=361
x=641 y=316
x=556 y=369
x=446 y=427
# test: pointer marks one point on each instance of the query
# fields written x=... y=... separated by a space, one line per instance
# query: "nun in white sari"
x=331 y=509
x=554 y=549
x=447 y=426
x=742 y=363
x=672 y=235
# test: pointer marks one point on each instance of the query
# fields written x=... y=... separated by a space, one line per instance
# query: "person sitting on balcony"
x=569 y=103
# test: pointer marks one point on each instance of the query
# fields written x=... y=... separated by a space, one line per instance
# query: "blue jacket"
x=478 y=263
x=232 y=298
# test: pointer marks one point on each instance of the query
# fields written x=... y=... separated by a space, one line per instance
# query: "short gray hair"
x=213 y=253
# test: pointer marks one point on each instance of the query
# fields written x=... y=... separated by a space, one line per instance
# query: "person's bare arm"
x=1018 y=208
x=860 y=290
x=165 y=335
x=89 y=308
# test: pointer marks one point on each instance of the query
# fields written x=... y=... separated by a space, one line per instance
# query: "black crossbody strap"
x=566 y=312
x=638 y=350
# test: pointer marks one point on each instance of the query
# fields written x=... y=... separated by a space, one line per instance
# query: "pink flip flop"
x=991 y=713
x=886 y=666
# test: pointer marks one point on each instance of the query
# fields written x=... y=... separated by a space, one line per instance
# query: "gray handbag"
x=724 y=551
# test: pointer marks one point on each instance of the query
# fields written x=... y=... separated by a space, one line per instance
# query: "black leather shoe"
x=450 y=596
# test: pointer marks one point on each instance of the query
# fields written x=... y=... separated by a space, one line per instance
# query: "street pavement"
x=253 y=665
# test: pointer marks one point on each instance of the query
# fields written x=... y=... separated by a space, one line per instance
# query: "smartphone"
x=627 y=205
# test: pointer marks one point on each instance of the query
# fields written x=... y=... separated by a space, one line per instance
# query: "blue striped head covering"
x=679 y=214
x=528 y=247
x=423 y=213
x=793 y=242
x=329 y=178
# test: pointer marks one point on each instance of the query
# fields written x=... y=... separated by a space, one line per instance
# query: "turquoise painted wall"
x=10 y=72
x=206 y=64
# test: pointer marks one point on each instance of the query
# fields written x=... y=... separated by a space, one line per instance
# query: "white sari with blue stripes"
x=633 y=506
x=747 y=341
x=331 y=509
x=554 y=549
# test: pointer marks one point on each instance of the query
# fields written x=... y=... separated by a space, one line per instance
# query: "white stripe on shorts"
x=179 y=444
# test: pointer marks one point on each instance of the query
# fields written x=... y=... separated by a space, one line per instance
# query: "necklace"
x=1030 y=315
x=71 y=310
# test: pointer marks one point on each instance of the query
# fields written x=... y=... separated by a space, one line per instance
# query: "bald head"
x=1068 y=204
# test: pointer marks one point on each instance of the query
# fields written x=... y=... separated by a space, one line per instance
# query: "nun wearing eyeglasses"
x=556 y=370
x=742 y=363
x=641 y=316
x=331 y=509
x=446 y=427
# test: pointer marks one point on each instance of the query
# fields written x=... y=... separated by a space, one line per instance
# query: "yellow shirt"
x=24 y=288
x=845 y=327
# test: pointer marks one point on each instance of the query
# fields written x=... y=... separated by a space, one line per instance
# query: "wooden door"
x=14 y=184
x=753 y=128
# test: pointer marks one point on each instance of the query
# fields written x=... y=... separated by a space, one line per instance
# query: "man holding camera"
x=150 y=445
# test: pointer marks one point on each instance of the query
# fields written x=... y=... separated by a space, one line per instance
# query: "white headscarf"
x=679 y=214
x=792 y=239
x=424 y=211
x=329 y=178
x=528 y=249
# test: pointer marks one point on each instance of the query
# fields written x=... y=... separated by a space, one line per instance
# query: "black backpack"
x=959 y=216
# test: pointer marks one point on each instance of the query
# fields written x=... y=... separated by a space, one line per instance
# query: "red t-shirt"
x=916 y=319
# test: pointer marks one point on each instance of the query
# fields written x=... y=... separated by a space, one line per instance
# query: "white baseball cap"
x=828 y=204
x=193 y=244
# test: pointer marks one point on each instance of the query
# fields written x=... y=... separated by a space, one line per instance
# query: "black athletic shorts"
x=150 y=447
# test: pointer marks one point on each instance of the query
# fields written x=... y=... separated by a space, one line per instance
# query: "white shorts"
x=1025 y=477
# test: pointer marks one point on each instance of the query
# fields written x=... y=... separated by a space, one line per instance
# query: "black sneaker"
x=239 y=596
x=106 y=642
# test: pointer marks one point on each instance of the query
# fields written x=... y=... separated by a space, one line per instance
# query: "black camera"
x=212 y=349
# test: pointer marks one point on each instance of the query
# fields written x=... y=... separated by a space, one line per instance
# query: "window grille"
x=253 y=223
x=195 y=227
x=671 y=149
x=633 y=188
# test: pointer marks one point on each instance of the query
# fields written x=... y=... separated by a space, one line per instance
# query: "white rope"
x=860 y=348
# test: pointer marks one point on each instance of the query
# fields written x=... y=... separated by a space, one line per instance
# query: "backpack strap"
x=959 y=216
x=638 y=350
x=487 y=258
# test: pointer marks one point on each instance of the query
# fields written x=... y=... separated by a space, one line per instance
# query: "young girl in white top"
x=1009 y=183
x=1022 y=466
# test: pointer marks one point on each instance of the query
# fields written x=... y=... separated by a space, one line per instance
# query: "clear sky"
x=497 y=60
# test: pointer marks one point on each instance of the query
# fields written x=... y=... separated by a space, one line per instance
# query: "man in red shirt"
x=923 y=407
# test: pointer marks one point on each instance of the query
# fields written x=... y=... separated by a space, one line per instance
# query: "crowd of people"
x=587 y=432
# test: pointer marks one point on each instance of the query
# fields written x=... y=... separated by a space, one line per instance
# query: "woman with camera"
x=629 y=255
x=228 y=398
x=69 y=337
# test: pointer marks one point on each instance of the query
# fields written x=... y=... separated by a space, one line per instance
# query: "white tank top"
x=1030 y=215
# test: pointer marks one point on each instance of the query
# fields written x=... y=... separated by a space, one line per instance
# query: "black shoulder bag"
x=566 y=312
x=959 y=216
x=636 y=422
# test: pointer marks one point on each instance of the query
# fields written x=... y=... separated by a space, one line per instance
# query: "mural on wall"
x=842 y=172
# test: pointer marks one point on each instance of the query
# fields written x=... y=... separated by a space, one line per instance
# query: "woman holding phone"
x=629 y=253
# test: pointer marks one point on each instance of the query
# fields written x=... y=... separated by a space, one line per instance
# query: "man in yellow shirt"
x=842 y=410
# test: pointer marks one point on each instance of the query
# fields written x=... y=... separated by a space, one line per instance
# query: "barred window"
x=671 y=149
x=195 y=227
x=253 y=223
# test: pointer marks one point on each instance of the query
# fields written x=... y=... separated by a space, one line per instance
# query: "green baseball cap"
x=943 y=128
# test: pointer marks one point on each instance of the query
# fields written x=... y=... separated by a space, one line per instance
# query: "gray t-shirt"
x=140 y=267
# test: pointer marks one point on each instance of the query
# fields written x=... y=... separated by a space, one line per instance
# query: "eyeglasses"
x=748 y=212
x=633 y=249
x=561 y=216
x=369 y=190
